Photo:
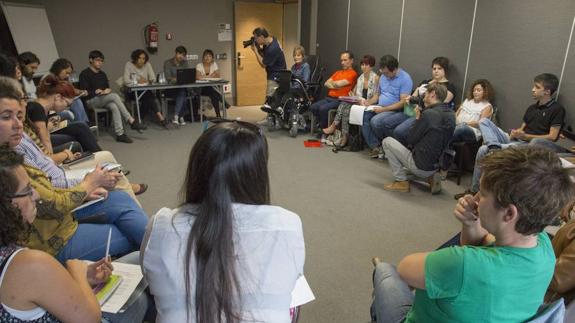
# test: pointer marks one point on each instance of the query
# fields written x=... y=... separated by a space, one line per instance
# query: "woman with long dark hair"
x=225 y=255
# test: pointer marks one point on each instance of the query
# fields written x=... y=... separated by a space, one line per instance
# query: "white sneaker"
x=175 y=120
x=182 y=122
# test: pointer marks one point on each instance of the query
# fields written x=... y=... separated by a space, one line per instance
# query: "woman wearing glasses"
x=56 y=230
x=34 y=287
x=241 y=255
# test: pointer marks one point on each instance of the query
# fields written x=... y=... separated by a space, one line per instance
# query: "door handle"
x=239 y=58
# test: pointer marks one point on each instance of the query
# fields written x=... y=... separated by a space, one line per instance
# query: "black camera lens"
x=248 y=42
x=415 y=100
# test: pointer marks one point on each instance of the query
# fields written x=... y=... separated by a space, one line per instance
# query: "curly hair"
x=488 y=92
x=13 y=228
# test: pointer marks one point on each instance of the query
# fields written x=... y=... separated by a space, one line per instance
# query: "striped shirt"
x=33 y=156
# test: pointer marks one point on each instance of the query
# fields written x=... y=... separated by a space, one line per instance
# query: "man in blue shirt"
x=394 y=86
x=270 y=56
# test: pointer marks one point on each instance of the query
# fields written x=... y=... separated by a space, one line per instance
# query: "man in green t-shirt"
x=505 y=262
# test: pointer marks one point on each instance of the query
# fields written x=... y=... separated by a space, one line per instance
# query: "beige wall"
x=290 y=31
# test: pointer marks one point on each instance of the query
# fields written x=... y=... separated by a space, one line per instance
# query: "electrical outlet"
x=191 y=57
x=227 y=88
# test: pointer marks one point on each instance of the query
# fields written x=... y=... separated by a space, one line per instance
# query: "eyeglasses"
x=28 y=192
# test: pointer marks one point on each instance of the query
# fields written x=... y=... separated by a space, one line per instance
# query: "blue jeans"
x=376 y=127
x=321 y=108
x=548 y=144
x=392 y=298
x=120 y=213
x=77 y=107
x=402 y=130
x=492 y=135
x=135 y=308
x=463 y=133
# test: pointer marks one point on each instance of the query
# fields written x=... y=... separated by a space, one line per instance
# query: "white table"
x=140 y=90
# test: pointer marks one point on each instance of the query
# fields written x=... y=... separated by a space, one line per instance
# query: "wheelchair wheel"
x=293 y=130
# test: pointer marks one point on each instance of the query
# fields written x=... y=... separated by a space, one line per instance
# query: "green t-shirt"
x=484 y=284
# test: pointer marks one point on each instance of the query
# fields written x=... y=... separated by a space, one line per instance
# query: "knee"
x=483 y=150
x=382 y=271
x=105 y=156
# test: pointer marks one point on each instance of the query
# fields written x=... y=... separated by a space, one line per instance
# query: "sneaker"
x=137 y=126
x=397 y=186
x=124 y=138
x=94 y=130
x=175 y=120
x=182 y=122
x=164 y=123
x=435 y=183
x=374 y=152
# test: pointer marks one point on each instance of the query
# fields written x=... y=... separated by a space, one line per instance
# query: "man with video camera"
x=269 y=55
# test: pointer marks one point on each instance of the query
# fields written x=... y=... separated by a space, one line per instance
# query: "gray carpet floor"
x=347 y=216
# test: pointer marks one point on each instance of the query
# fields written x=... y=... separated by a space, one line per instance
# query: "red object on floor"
x=312 y=143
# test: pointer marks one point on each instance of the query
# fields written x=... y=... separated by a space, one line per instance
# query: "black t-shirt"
x=539 y=119
x=35 y=112
x=273 y=59
x=450 y=87
x=91 y=81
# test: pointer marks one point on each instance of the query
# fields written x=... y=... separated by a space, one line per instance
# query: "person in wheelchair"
x=285 y=104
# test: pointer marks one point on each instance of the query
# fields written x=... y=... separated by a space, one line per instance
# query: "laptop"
x=186 y=76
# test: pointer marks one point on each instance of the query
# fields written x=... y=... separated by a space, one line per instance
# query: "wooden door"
x=250 y=76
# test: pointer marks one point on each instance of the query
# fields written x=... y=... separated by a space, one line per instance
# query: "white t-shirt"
x=200 y=68
x=471 y=111
x=270 y=254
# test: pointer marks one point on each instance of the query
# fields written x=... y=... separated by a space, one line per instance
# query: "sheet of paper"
x=301 y=293
x=131 y=277
x=356 y=114
x=88 y=204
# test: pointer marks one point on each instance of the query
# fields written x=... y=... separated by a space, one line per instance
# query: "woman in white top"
x=208 y=69
x=139 y=71
x=225 y=255
x=475 y=107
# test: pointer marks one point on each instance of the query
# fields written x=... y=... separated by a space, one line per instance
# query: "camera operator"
x=269 y=55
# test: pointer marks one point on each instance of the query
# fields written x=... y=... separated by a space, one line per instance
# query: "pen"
x=108 y=244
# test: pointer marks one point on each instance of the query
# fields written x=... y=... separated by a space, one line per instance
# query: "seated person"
x=34 y=286
x=439 y=69
x=429 y=136
x=476 y=106
x=280 y=98
x=300 y=69
x=55 y=95
x=56 y=229
x=563 y=282
x=542 y=123
x=394 y=86
x=505 y=263
x=95 y=82
x=29 y=64
x=35 y=155
x=367 y=88
x=339 y=84
x=208 y=68
x=171 y=67
x=62 y=68
x=245 y=254
x=140 y=71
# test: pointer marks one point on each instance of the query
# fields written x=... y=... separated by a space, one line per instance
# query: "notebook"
x=185 y=76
